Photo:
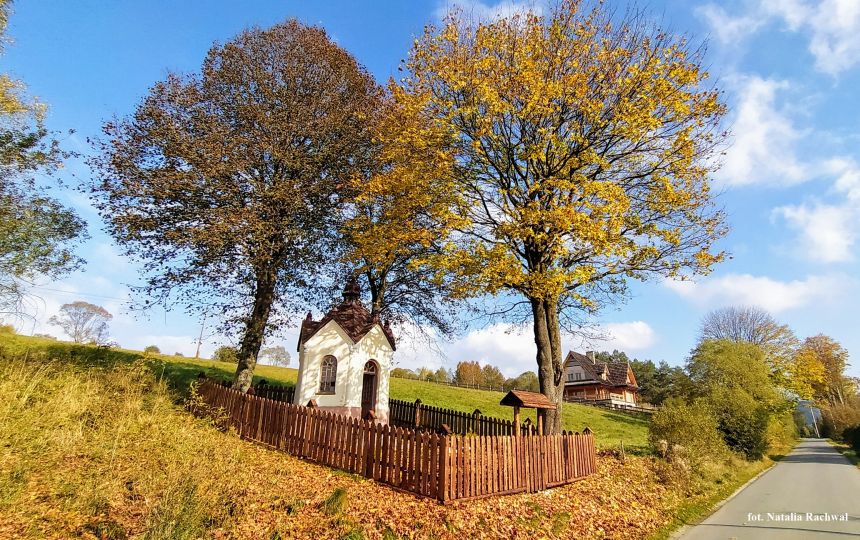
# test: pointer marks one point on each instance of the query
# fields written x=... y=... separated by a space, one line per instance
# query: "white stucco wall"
x=351 y=357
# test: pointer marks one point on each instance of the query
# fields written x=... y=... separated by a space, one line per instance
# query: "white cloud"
x=832 y=27
x=626 y=336
x=483 y=11
x=764 y=143
x=771 y=294
x=827 y=232
x=729 y=30
x=508 y=347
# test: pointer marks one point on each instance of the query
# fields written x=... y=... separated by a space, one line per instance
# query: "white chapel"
x=345 y=360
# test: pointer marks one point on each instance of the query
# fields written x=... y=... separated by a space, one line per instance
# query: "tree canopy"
x=582 y=148
x=83 y=322
x=37 y=233
x=227 y=184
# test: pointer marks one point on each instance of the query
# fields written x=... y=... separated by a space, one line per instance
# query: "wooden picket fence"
x=275 y=393
x=442 y=467
x=426 y=417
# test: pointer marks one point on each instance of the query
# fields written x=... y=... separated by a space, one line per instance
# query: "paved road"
x=789 y=500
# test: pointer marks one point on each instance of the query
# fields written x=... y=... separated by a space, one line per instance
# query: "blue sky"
x=790 y=182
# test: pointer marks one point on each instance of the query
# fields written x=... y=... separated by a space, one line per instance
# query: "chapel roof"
x=353 y=318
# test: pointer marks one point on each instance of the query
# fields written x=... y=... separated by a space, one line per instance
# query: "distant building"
x=345 y=359
x=588 y=379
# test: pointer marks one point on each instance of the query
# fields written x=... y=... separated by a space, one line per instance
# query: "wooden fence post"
x=443 y=470
x=476 y=417
x=418 y=412
x=516 y=421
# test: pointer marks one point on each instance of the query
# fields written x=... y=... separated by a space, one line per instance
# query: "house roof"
x=616 y=372
x=353 y=318
x=529 y=400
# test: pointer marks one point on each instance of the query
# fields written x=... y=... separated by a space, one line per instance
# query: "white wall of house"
x=351 y=358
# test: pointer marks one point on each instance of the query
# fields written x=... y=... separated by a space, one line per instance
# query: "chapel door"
x=368 y=389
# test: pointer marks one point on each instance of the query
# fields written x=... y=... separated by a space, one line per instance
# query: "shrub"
x=743 y=421
x=838 y=417
x=782 y=432
x=851 y=435
x=226 y=354
x=152 y=349
x=7 y=329
x=692 y=427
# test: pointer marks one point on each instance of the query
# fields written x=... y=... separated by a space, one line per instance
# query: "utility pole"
x=200 y=338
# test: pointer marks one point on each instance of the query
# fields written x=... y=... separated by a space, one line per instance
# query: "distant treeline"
x=472 y=374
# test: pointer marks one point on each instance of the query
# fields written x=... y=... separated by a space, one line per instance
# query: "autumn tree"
x=492 y=377
x=37 y=233
x=442 y=375
x=401 y=214
x=834 y=387
x=228 y=184
x=582 y=146
x=524 y=381
x=468 y=373
x=751 y=324
x=277 y=355
x=83 y=322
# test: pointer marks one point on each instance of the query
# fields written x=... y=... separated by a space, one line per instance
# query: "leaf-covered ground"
x=96 y=446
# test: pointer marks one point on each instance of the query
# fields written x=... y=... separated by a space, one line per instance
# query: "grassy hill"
x=610 y=428
x=94 y=445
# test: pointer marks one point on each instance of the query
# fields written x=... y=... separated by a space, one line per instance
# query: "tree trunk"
x=549 y=358
x=255 y=329
x=376 y=286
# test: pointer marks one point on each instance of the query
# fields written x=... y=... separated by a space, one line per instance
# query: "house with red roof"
x=345 y=358
x=592 y=380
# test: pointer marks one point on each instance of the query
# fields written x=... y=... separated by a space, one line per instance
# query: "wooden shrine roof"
x=528 y=400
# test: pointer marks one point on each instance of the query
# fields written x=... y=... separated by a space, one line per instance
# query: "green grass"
x=846 y=451
x=610 y=428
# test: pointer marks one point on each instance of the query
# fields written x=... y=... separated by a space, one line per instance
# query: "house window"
x=579 y=376
x=328 y=371
x=570 y=377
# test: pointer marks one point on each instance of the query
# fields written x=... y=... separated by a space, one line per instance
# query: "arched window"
x=328 y=373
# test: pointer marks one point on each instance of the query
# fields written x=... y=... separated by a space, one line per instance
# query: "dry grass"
x=97 y=447
x=103 y=451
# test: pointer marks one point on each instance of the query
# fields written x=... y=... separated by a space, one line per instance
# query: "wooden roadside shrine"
x=519 y=399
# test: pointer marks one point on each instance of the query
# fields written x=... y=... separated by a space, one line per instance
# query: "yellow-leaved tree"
x=402 y=212
x=582 y=144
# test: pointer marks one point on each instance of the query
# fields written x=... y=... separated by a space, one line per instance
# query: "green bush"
x=152 y=349
x=7 y=329
x=692 y=427
x=226 y=354
x=743 y=422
